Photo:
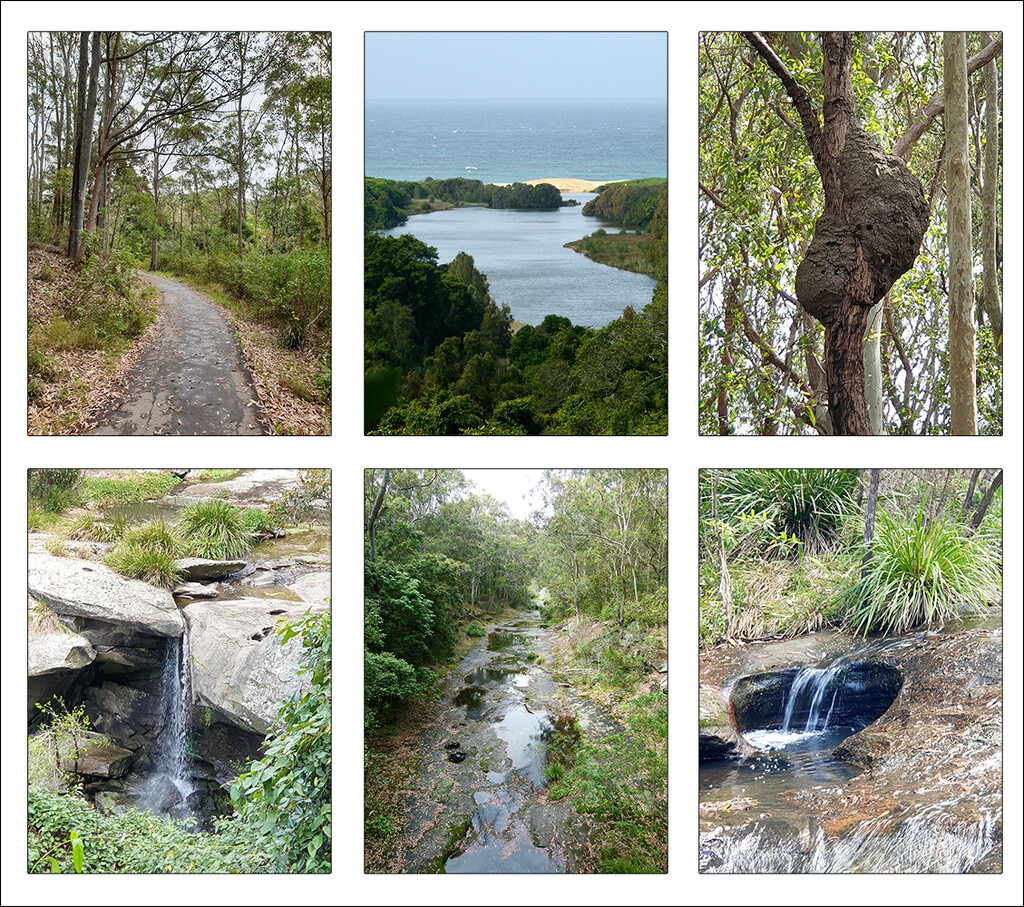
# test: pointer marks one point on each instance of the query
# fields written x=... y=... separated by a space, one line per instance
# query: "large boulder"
x=56 y=658
x=83 y=589
x=239 y=666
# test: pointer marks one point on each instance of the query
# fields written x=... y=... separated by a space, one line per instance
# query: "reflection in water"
x=499 y=837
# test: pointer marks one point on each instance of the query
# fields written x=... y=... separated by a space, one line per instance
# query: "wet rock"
x=122 y=711
x=85 y=589
x=221 y=748
x=457 y=757
x=196 y=569
x=718 y=737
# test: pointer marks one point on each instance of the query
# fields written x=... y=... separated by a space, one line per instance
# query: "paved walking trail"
x=191 y=380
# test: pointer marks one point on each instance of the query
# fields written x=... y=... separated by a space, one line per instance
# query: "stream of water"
x=797 y=807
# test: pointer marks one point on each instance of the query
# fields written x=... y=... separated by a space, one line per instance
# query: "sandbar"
x=569 y=184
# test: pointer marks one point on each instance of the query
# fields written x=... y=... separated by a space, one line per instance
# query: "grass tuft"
x=217 y=529
x=920 y=573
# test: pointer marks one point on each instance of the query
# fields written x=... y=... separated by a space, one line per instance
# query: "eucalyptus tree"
x=775 y=172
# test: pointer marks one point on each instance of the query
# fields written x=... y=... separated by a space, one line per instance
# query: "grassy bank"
x=621 y=779
x=626 y=251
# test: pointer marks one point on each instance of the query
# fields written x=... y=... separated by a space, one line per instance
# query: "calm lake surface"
x=522 y=254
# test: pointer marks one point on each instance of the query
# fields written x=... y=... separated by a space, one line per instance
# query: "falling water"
x=177 y=692
x=812 y=684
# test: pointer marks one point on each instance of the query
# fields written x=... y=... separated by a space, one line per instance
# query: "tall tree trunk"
x=156 y=199
x=106 y=124
x=83 y=141
x=990 y=278
x=962 y=389
x=986 y=499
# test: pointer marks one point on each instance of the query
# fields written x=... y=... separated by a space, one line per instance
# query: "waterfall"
x=812 y=684
x=177 y=693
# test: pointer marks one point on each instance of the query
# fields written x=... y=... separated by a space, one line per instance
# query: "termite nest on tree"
x=859 y=251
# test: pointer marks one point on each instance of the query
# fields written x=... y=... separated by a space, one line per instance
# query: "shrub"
x=215 y=529
x=919 y=573
x=771 y=507
x=475 y=630
x=285 y=797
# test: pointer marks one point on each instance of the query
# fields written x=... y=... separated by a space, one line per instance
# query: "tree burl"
x=863 y=245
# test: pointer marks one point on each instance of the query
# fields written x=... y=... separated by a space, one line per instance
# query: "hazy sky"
x=521 y=65
x=514 y=486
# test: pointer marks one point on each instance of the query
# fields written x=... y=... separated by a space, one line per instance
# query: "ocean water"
x=506 y=141
x=522 y=255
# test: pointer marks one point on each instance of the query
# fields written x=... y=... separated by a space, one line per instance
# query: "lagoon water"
x=522 y=254
x=505 y=141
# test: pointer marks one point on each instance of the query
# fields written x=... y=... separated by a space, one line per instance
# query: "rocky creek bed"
x=918 y=789
x=477 y=800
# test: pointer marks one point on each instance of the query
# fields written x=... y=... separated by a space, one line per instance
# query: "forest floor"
x=192 y=379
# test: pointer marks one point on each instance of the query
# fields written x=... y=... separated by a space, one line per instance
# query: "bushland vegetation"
x=443 y=358
x=441 y=560
x=790 y=551
x=206 y=156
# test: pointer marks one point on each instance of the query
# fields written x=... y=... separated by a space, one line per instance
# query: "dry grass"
x=77 y=381
x=283 y=379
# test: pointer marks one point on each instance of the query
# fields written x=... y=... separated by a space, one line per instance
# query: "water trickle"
x=811 y=687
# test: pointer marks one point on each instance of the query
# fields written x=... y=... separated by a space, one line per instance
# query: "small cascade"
x=811 y=687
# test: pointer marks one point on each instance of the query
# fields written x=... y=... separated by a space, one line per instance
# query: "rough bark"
x=83 y=138
x=868 y=235
x=962 y=390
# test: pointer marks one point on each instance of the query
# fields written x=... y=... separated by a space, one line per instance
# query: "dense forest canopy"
x=439 y=554
x=194 y=134
x=443 y=358
x=772 y=360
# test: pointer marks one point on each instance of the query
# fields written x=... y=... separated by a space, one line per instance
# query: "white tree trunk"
x=962 y=394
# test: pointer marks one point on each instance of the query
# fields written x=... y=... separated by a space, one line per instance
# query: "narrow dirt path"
x=191 y=380
x=479 y=800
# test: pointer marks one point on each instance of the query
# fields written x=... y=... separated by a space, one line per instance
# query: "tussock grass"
x=217 y=529
x=921 y=572
x=148 y=552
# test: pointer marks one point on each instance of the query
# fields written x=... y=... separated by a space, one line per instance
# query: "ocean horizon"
x=505 y=141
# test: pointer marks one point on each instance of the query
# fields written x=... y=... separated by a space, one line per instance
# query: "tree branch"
x=797 y=94
x=937 y=102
